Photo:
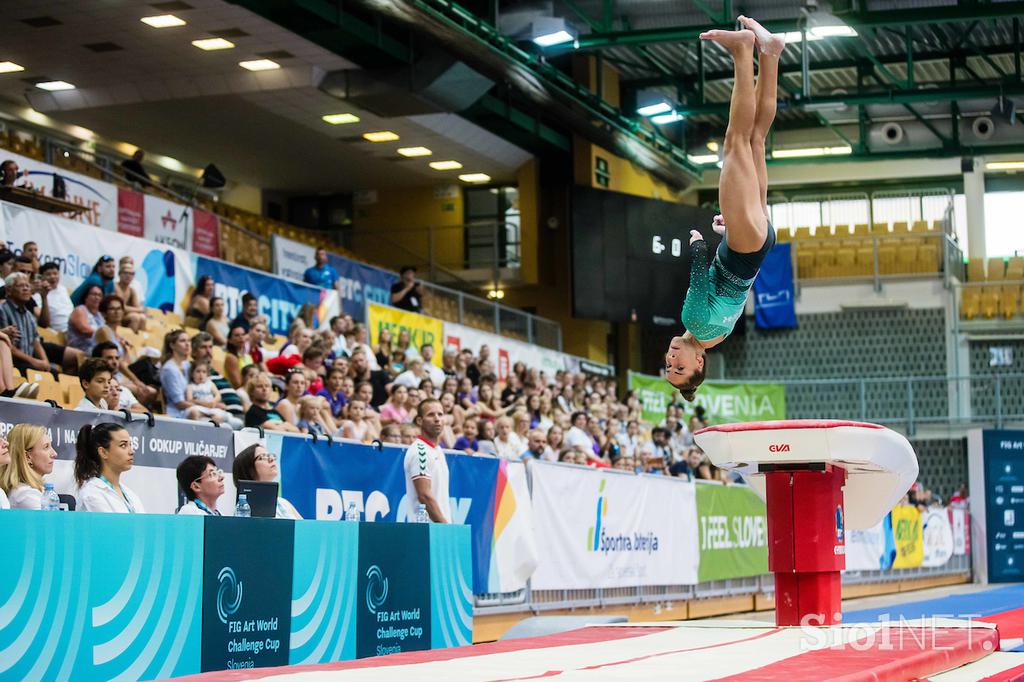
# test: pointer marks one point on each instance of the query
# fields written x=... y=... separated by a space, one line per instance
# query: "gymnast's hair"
x=689 y=389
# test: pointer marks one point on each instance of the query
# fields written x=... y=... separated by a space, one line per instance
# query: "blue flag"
x=774 y=306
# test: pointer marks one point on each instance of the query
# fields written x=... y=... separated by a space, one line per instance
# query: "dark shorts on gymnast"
x=745 y=265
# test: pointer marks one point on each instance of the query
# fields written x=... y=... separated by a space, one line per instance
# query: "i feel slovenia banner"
x=733 y=532
x=323 y=478
x=606 y=528
x=724 y=402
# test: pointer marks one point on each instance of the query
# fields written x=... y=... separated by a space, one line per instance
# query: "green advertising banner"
x=723 y=402
x=733 y=532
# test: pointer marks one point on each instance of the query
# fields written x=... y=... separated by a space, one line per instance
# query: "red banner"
x=206 y=234
x=130 y=212
x=504 y=365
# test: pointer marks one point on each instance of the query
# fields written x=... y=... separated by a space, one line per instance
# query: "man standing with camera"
x=407 y=293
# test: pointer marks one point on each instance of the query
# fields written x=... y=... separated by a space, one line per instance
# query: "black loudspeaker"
x=212 y=177
x=967 y=164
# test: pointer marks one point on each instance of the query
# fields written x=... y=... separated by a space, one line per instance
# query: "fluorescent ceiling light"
x=163 y=21
x=712 y=145
x=1004 y=165
x=415 y=151
x=811 y=151
x=213 y=44
x=794 y=37
x=10 y=67
x=260 y=65
x=556 y=38
x=475 y=177
x=445 y=165
x=55 y=85
x=670 y=117
x=702 y=158
x=381 y=136
x=834 y=31
x=662 y=107
x=550 y=31
x=338 y=119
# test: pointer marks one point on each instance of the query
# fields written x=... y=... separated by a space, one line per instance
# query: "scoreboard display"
x=631 y=257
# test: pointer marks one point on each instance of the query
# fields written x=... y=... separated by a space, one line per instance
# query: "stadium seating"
x=970 y=302
x=976 y=270
x=996 y=269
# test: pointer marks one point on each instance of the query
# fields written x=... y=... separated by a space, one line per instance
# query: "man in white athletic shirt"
x=426 y=470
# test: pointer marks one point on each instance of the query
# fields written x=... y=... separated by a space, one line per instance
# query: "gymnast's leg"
x=769 y=49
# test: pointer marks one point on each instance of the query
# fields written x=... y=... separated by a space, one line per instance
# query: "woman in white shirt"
x=202 y=482
x=5 y=461
x=255 y=463
x=103 y=454
x=32 y=457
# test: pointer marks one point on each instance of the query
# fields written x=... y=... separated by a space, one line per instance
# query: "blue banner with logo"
x=774 y=300
x=279 y=299
x=359 y=283
x=323 y=478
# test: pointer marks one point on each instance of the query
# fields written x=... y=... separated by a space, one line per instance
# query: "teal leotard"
x=716 y=297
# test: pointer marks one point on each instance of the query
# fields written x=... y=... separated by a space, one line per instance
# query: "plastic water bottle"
x=243 y=508
x=421 y=514
x=50 y=500
x=351 y=512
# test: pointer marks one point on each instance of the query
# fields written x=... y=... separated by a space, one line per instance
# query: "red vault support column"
x=806 y=544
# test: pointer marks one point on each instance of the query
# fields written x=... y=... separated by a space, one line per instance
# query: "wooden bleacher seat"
x=906 y=258
x=900 y=227
x=928 y=258
x=887 y=259
x=825 y=262
x=823 y=232
x=976 y=270
x=865 y=261
x=782 y=234
x=846 y=260
x=996 y=269
x=52 y=336
x=50 y=390
x=861 y=230
x=66 y=380
x=843 y=231
x=802 y=233
x=879 y=228
x=919 y=226
x=1009 y=300
x=1015 y=268
x=805 y=264
x=990 y=302
x=970 y=302
x=74 y=395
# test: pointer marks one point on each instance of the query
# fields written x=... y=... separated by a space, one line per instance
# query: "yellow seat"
x=73 y=396
x=782 y=234
x=970 y=302
x=919 y=226
x=928 y=258
x=825 y=262
x=1015 y=268
x=936 y=225
x=173 y=319
x=802 y=233
x=846 y=260
x=887 y=259
x=51 y=391
x=843 y=231
x=900 y=227
x=861 y=230
x=996 y=269
x=823 y=232
x=865 y=260
x=1009 y=300
x=906 y=258
x=976 y=270
x=52 y=336
x=990 y=301
x=65 y=381
x=879 y=228
x=39 y=377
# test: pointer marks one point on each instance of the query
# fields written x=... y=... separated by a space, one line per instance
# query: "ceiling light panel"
x=10 y=67
x=339 y=119
x=55 y=85
x=259 y=65
x=381 y=136
x=445 y=165
x=414 y=151
x=210 y=44
x=475 y=177
x=163 y=21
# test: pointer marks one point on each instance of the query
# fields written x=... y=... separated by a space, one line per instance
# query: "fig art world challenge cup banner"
x=724 y=402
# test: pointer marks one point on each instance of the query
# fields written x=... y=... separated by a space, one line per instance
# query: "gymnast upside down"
x=718 y=293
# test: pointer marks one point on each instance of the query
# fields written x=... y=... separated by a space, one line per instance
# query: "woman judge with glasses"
x=255 y=463
x=202 y=483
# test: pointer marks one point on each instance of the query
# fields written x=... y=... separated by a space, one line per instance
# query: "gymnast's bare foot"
x=730 y=40
x=768 y=43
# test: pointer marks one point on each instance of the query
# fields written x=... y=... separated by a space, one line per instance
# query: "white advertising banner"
x=958 y=520
x=504 y=352
x=605 y=528
x=291 y=258
x=164 y=273
x=866 y=549
x=167 y=223
x=938 y=537
x=98 y=196
x=514 y=557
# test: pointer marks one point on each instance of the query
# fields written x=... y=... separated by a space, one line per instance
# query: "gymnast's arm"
x=695 y=307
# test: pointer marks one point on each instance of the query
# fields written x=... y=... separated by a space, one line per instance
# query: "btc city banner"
x=733 y=532
x=606 y=528
x=164 y=272
x=357 y=283
x=322 y=478
x=724 y=402
x=279 y=300
x=158 y=450
x=423 y=330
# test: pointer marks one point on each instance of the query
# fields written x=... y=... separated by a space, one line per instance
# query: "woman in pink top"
x=393 y=411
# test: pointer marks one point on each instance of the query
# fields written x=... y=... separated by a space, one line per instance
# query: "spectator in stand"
x=321 y=273
x=488 y=434
x=102 y=276
x=338 y=327
x=128 y=382
x=120 y=398
x=31 y=458
x=258 y=333
x=295 y=388
x=94 y=377
x=394 y=410
x=698 y=465
x=409 y=433
x=578 y=437
x=407 y=293
x=521 y=424
x=104 y=453
x=450 y=364
x=404 y=345
x=435 y=373
x=535 y=446
x=202 y=351
x=202 y=482
x=236 y=357
x=204 y=397
x=332 y=392
x=112 y=309
x=487 y=404
x=261 y=412
x=133 y=170
x=174 y=373
x=357 y=426
x=392 y=433
x=86 y=320
x=134 y=311
x=53 y=298
x=473 y=371
x=20 y=327
x=383 y=351
x=9 y=173
x=553 y=448
x=216 y=323
x=310 y=420
x=414 y=374
x=28 y=389
x=249 y=314
x=5 y=461
x=299 y=339
x=199 y=304
x=30 y=251
x=467 y=442
x=256 y=463
x=359 y=368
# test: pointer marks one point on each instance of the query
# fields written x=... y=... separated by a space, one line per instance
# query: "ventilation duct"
x=892 y=133
x=433 y=85
x=983 y=128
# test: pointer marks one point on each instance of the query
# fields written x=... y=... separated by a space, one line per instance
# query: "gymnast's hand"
x=695 y=236
x=718 y=224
